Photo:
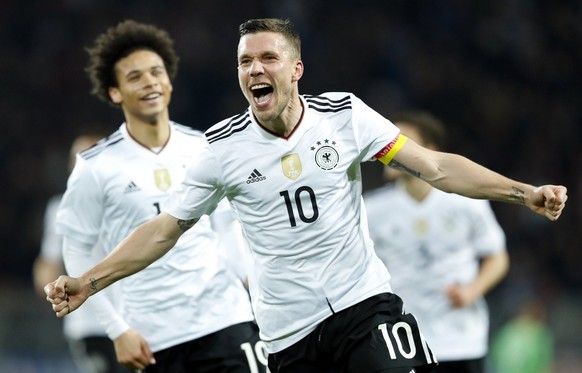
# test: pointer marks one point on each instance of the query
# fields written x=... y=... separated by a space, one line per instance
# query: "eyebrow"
x=261 y=54
x=137 y=71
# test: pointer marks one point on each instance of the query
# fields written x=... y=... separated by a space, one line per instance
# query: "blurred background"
x=504 y=75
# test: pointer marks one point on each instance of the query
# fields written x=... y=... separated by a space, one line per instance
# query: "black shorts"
x=371 y=336
x=236 y=349
x=462 y=366
x=96 y=354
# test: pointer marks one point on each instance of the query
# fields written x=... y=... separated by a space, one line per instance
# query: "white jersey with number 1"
x=298 y=199
x=188 y=293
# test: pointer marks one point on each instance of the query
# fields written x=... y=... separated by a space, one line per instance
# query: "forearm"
x=453 y=173
x=143 y=246
x=80 y=257
x=492 y=270
x=457 y=174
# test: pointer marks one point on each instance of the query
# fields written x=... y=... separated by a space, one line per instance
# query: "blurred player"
x=444 y=253
x=188 y=312
x=290 y=166
x=91 y=349
x=525 y=342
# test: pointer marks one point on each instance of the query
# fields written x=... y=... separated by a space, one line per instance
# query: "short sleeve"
x=373 y=132
x=51 y=243
x=488 y=236
x=81 y=210
x=201 y=190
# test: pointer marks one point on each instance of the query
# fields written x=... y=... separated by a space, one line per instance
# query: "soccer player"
x=444 y=253
x=91 y=349
x=290 y=166
x=525 y=343
x=189 y=311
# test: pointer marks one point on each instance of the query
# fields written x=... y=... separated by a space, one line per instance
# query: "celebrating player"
x=188 y=311
x=290 y=165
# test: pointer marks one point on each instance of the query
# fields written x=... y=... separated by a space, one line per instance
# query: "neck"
x=287 y=121
x=151 y=134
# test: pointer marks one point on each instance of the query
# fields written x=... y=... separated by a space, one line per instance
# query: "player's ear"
x=114 y=95
x=298 y=72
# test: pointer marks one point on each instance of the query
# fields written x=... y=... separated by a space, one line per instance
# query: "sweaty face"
x=268 y=73
x=144 y=88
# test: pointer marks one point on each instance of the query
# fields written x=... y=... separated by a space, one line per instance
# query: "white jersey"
x=79 y=324
x=298 y=199
x=188 y=293
x=428 y=246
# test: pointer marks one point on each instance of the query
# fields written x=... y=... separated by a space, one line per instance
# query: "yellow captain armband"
x=389 y=151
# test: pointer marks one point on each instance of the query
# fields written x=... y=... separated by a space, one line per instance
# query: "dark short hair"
x=281 y=26
x=430 y=128
x=118 y=42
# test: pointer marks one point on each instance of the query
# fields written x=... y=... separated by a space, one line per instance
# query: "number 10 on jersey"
x=295 y=207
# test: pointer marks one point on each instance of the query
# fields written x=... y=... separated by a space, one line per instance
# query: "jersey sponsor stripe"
x=235 y=124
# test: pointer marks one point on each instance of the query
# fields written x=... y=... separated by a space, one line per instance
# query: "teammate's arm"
x=492 y=270
x=453 y=173
x=143 y=246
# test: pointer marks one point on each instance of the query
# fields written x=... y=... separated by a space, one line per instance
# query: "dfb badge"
x=326 y=157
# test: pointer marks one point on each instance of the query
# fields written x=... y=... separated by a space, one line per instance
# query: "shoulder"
x=329 y=101
x=186 y=130
x=53 y=204
x=106 y=144
x=186 y=138
x=55 y=200
x=228 y=128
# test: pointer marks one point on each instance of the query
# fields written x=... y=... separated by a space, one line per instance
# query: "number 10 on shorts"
x=403 y=329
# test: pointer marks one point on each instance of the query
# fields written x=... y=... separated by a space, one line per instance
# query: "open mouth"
x=262 y=93
x=151 y=96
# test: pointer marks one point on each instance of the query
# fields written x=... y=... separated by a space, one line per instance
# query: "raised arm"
x=453 y=173
x=143 y=246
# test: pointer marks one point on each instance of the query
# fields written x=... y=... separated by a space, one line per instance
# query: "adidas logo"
x=131 y=187
x=255 y=177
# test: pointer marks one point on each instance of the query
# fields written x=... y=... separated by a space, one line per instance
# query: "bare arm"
x=143 y=246
x=492 y=270
x=453 y=173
